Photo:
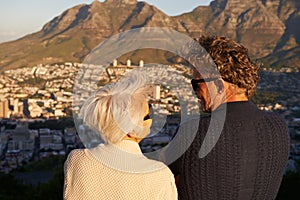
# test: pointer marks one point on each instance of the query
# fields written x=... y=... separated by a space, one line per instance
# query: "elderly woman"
x=115 y=170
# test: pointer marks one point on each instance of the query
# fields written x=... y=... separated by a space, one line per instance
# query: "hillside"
x=267 y=27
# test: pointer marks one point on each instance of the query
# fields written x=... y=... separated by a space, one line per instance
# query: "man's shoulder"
x=275 y=125
x=273 y=117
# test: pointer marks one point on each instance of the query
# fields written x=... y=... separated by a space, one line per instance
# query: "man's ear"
x=220 y=85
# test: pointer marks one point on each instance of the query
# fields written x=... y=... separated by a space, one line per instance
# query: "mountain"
x=287 y=49
x=268 y=28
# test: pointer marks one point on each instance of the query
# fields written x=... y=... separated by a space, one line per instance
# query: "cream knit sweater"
x=116 y=172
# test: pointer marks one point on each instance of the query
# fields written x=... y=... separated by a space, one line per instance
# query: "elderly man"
x=248 y=158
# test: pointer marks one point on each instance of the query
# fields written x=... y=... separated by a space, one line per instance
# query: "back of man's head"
x=232 y=61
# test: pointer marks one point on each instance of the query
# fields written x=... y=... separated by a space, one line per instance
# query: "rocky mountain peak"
x=67 y=20
x=122 y=1
x=95 y=3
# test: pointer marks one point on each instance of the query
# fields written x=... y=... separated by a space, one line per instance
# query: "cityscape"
x=25 y=103
x=32 y=98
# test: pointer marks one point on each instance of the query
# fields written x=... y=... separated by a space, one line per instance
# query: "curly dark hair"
x=232 y=61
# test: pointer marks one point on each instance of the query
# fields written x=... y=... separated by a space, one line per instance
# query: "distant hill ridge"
x=269 y=28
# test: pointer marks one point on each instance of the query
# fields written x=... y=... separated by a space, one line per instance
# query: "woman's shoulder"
x=76 y=152
x=77 y=155
x=160 y=167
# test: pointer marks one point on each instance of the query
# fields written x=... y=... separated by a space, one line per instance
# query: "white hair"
x=117 y=109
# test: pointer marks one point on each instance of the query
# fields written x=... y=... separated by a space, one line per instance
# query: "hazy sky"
x=21 y=17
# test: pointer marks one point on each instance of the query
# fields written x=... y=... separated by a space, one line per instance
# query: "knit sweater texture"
x=115 y=172
x=247 y=162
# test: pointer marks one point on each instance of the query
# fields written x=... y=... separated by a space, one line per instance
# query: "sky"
x=19 y=17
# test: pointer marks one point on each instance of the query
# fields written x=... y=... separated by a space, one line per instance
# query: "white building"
x=128 y=63
x=156 y=92
x=4 y=109
x=141 y=63
x=35 y=110
x=115 y=63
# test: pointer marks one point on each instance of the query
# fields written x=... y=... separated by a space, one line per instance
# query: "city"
x=32 y=98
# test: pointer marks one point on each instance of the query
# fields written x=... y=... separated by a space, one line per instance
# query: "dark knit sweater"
x=247 y=162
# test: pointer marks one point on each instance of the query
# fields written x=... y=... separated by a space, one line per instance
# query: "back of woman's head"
x=117 y=109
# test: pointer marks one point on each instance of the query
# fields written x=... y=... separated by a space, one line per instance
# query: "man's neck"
x=234 y=93
x=237 y=97
x=230 y=98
